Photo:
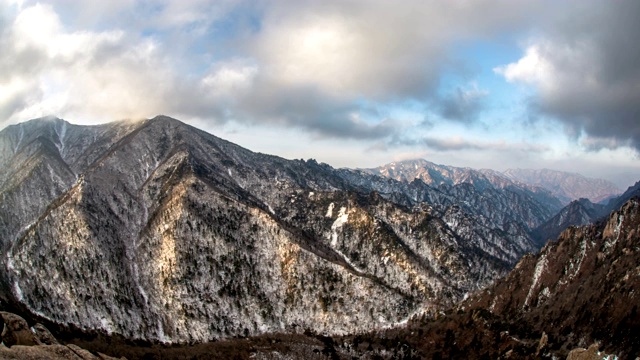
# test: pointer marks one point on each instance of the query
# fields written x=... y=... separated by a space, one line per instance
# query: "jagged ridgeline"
x=159 y=231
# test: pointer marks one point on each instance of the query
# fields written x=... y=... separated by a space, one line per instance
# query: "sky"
x=483 y=84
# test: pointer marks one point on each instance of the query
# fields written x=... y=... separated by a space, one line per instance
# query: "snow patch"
x=342 y=219
x=346 y=259
x=343 y=216
x=330 y=210
x=618 y=225
x=61 y=134
x=542 y=263
x=15 y=149
x=17 y=291
x=106 y=325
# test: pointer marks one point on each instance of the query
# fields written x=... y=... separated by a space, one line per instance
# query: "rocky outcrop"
x=19 y=341
x=50 y=352
x=591 y=353
x=16 y=331
x=43 y=335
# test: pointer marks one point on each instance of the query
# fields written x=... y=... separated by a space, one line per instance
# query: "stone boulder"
x=16 y=331
x=43 y=335
x=592 y=353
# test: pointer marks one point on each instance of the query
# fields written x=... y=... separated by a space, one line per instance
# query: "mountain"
x=158 y=231
x=577 y=213
x=631 y=192
x=581 y=288
x=444 y=176
x=579 y=292
x=581 y=212
x=556 y=188
x=434 y=174
x=566 y=186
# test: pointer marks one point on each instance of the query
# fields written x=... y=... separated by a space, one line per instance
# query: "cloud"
x=48 y=69
x=304 y=64
x=463 y=104
x=458 y=143
x=585 y=72
x=375 y=49
x=461 y=144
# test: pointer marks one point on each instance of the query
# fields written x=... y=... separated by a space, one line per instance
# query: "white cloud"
x=230 y=79
x=532 y=68
x=80 y=74
x=320 y=67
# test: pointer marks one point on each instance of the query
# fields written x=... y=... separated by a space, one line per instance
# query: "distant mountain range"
x=157 y=231
x=581 y=212
x=565 y=186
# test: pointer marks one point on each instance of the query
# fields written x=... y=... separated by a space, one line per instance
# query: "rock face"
x=566 y=186
x=156 y=230
x=580 y=289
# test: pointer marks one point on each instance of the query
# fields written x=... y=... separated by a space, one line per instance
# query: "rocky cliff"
x=580 y=289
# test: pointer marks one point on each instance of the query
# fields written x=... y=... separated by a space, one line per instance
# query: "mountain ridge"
x=154 y=216
x=570 y=186
x=564 y=186
x=164 y=233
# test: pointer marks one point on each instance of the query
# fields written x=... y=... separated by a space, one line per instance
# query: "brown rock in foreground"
x=591 y=353
x=16 y=331
x=19 y=341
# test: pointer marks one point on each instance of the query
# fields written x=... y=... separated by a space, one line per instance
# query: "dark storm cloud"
x=586 y=69
x=463 y=105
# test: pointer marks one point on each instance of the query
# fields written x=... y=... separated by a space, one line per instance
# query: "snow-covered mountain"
x=548 y=185
x=443 y=176
x=579 y=292
x=156 y=230
x=436 y=175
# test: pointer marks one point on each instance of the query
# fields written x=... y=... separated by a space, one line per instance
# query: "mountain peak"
x=165 y=118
